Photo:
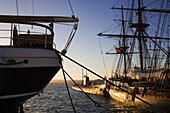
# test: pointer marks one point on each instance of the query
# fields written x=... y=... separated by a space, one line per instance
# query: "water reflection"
x=55 y=99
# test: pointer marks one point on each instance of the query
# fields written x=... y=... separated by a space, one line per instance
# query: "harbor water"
x=55 y=99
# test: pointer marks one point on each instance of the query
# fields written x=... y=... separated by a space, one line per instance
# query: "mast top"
x=43 y=19
x=143 y=9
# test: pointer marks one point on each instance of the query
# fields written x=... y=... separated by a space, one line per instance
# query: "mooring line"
x=96 y=103
x=156 y=108
x=67 y=88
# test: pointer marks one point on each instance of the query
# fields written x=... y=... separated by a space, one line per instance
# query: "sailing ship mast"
x=139 y=30
x=149 y=79
x=140 y=33
x=124 y=45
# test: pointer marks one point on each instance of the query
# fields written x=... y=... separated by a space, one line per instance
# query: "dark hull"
x=19 y=84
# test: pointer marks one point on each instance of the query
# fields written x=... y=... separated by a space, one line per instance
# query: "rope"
x=33 y=7
x=64 y=51
x=69 y=40
x=71 y=7
x=17 y=7
x=96 y=103
x=67 y=88
x=72 y=34
x=103 y=57
x=158 y=45
x=32 y=12
x=154 y=107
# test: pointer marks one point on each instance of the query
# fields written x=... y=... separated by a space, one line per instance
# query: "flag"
x=105 y=78
x=120 y=50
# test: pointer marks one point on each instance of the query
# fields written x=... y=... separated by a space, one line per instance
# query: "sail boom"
x=131 y=36
x=148 y=10
x=124 y=53
x=43 y=19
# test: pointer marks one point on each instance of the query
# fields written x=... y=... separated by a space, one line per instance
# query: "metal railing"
x=7 y=38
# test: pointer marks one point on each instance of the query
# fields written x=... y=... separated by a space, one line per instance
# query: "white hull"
x=35 y=57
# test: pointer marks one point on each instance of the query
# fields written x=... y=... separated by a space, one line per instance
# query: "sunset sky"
x=94 y=17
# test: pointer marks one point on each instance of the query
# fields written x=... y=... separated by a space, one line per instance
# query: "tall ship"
x=28 y=58
x=141 y=76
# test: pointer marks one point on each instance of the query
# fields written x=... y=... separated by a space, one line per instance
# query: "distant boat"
x=96 y=87
x=147 y=84
x=30 y=60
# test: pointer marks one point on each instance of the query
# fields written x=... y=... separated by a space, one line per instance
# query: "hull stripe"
x=18 y=95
